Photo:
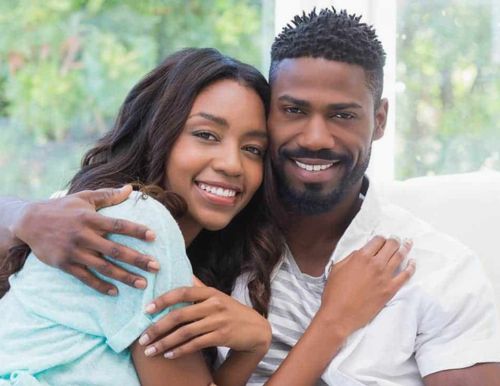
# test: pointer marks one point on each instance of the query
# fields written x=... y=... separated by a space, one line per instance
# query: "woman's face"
x=216 y=163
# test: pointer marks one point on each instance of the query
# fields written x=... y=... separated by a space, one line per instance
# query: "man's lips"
x=314 y=165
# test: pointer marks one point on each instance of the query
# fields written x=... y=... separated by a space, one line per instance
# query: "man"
x=440 y=329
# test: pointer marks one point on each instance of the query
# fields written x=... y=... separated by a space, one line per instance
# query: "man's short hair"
x=334 y=36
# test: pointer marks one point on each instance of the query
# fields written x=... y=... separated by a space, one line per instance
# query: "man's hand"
x=69 y=234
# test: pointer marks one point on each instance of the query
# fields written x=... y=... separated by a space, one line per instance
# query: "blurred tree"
x=448 y=119
x=66 y=65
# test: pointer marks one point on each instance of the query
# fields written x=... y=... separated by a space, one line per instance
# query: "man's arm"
x=484 y=374
x=67 y=233
x=11 y=209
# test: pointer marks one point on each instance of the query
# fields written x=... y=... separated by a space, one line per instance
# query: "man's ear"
x=381 y=119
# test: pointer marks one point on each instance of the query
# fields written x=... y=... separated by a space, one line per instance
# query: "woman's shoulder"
x=141 y=208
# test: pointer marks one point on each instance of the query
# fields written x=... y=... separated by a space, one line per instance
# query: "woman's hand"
x=359 y=286
x=215 y=319
x=67 y=233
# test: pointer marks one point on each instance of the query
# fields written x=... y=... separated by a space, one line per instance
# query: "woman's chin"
x=215 y=225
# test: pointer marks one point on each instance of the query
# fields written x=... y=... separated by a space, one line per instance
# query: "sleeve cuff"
x=129 y=333
x=459 y=357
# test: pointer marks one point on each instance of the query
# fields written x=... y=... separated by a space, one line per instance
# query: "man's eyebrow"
x=218 y=120
x=295 y=101
x=344 y=106
x=332 y=106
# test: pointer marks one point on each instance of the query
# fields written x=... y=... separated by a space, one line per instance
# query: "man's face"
x=322 y=124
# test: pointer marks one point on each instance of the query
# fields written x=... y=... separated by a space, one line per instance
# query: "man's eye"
x=343 y=116
x=293 y=110
x=254 y=150
x=205 y=135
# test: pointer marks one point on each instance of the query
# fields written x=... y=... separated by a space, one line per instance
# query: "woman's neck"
x=189 y=228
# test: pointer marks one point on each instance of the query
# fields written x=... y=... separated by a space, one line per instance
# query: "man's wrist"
x=21 y=219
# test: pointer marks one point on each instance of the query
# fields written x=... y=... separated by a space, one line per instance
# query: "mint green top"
x=54 y=330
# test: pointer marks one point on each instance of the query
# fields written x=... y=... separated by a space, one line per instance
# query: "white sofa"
x=465 y=206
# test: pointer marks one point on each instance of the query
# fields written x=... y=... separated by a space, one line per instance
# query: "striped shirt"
x=296 y=298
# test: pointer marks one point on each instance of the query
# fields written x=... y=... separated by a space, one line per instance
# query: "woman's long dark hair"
x=148 y=124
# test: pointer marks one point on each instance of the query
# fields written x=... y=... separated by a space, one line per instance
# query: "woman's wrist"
x=335 y=327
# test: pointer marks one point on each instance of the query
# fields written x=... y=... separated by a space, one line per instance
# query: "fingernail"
x=112 y=292
x=154 y=265
x=150 y=308
x=143 y=340
x=169 y=354
x=150 y=351
x=150 y=235
x=397 y=238
x=140 y=283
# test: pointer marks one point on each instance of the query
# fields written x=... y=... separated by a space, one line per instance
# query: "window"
x=447 y=86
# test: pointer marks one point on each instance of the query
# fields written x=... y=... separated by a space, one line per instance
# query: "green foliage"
x=447 y=112
x=66 y=66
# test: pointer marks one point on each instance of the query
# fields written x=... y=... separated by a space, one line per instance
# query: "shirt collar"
x=361 y=228
x=359 y=231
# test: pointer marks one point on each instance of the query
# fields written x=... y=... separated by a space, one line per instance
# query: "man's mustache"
x=323 y=154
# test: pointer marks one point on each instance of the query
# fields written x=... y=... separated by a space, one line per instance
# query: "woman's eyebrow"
x=262 y=134
x=218 y=120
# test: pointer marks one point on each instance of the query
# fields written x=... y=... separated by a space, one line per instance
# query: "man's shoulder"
x=437 y=254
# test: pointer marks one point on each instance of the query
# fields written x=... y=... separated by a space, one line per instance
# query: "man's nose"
x=317 y=135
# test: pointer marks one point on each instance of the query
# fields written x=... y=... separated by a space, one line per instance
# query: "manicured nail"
x=150 y=235
x=140 y=283
x=397 y=238
x=143 y=340
x=411 y=266
x=150 y=308
x=112 y=292
x=154 y=265
x=169 y=354
x=150 y=351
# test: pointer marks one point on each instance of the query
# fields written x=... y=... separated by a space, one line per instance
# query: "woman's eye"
x=254 y=150
x=205 y=135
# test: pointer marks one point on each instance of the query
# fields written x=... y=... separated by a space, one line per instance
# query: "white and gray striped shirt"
x=296 y=298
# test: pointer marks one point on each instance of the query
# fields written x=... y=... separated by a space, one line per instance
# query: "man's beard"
x=311 y=200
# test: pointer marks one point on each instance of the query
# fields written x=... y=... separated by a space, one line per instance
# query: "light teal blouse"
x=54 y=330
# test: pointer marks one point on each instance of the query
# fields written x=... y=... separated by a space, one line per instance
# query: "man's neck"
x=312 y=239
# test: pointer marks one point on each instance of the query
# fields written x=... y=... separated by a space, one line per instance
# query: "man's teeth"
x=218 y=191
x=311 y=168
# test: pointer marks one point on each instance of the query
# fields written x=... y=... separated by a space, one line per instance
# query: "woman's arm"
x=68 y=233
x=190 y=370
x=215 y=319
x=358 y=287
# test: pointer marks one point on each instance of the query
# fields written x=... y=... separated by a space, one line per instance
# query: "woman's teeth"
x=218 y=191
x=315 y=168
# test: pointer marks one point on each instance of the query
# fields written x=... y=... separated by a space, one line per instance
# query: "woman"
x=193 y=134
